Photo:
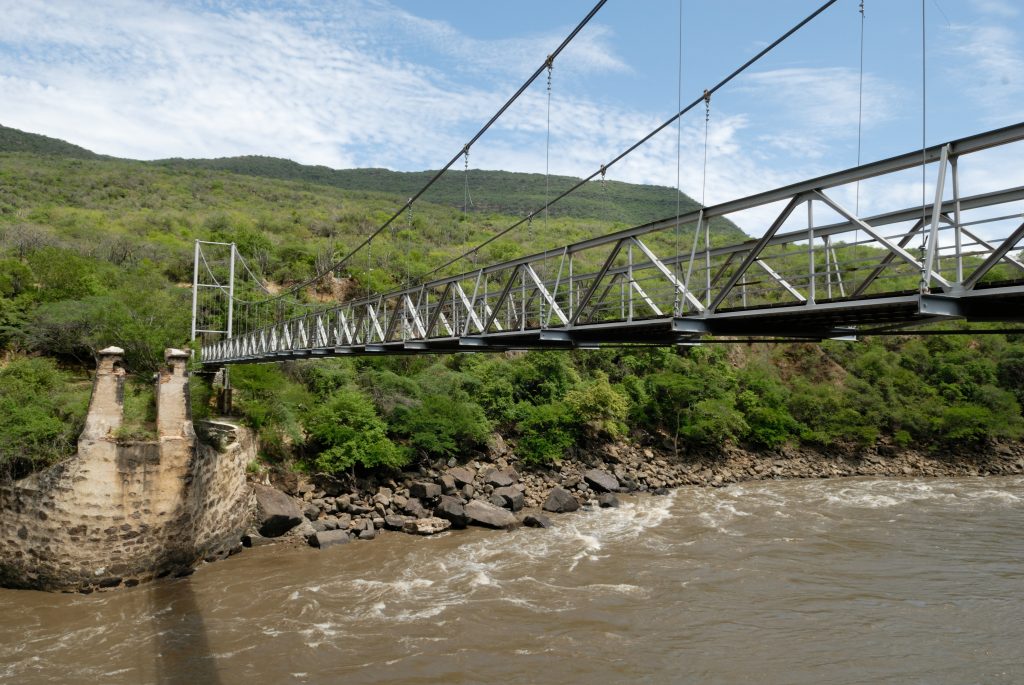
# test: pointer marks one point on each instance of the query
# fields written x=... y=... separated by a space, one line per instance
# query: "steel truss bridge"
x=817 y=271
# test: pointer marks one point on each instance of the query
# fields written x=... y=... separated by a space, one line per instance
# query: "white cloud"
x=996 y=7
x=589 y=52
x=992 y=72
x=808 y=110
x=150 y=81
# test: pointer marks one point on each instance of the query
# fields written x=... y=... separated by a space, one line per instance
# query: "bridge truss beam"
x=631 y=287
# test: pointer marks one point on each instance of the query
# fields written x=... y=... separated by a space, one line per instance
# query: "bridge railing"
x=816 y=253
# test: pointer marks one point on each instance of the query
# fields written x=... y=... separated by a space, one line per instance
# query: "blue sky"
x=403 y=83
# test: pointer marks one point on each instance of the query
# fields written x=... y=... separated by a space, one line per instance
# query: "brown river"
x=817 y=581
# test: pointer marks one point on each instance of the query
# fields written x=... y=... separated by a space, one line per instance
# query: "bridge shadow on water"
x=182 y=649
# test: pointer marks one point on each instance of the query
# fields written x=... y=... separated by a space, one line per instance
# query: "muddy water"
x=843 y=581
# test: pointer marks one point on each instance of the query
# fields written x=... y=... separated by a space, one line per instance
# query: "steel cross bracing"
x=800 y=280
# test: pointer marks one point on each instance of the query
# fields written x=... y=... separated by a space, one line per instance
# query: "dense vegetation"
x=489 y=191
x=99 y=251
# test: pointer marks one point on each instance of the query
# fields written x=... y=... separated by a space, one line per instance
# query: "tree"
x=345 y=431
x=443 y=425
x=546 y=432
x=599 y=406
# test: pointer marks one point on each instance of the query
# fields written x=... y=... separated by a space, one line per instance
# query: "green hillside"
x=13 y=140
x=501 y=192
x=98 y=251
x=491 y=192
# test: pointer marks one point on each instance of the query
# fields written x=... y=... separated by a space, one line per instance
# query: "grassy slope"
x=13 y=140
x=492 y=192
x=502 y=192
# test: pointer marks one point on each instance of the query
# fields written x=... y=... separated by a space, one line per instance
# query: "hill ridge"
x=491 y=191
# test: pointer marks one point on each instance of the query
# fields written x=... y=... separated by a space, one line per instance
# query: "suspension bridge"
x=817 y=270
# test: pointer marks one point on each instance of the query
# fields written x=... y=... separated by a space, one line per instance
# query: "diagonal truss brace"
x=780 y=280
x=887 y=260
x=598 y=277
x=545 y=294
x=415 y=316
x=994 y=258
x=870 y=230
x=471 y=316
x=667 y=273
x=989 y=246
x=505 y=293
x=643 y=295
x=755 y=252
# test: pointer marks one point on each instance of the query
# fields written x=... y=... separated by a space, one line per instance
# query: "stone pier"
x=119 y=513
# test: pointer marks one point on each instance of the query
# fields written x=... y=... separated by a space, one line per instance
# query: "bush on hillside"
x=345 y=431
x=41 y=414
x=442 y=425
x=546 y=432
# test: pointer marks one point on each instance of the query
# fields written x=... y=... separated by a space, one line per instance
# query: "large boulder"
x=512 y=498
x=601 y=481
x=425 y=490
x=414 y=507
x=277 y=512
x=560 y=501
x=485 y=514
x=329 y=538
x=461 y=475
x=452 y=509
x=255 y=540
x=607 y=499
x=536 y=521
x=427 y=526
x=501 y=479
x=396 y=521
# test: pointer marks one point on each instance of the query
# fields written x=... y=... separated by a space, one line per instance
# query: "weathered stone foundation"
x=122 y=513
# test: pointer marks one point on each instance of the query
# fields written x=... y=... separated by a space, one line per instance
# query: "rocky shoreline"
x=496 y=491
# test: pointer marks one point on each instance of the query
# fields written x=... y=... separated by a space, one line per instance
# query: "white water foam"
x=495 y=567
x=719 y=514
x=877 y=494
x=402 y=586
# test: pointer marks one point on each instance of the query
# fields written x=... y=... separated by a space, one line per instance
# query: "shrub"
x=546 y=432
x=443 y=425
x=41 y=415
x=139 y=418
x=271 y=403
x=599 y=406
x=713 y=422
x=763 y=401
x=346 y=431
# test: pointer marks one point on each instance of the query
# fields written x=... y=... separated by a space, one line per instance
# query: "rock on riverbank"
x=499 y=492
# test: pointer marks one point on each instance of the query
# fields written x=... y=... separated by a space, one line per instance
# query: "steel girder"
x=634 y=286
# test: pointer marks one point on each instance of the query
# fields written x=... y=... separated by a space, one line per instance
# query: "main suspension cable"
x=547 y=151
x=700 y=217
x=925 y=278
x=679 y=299
x=746 y=65
x=536 y=74
x=860 y=103
x=259 y=282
